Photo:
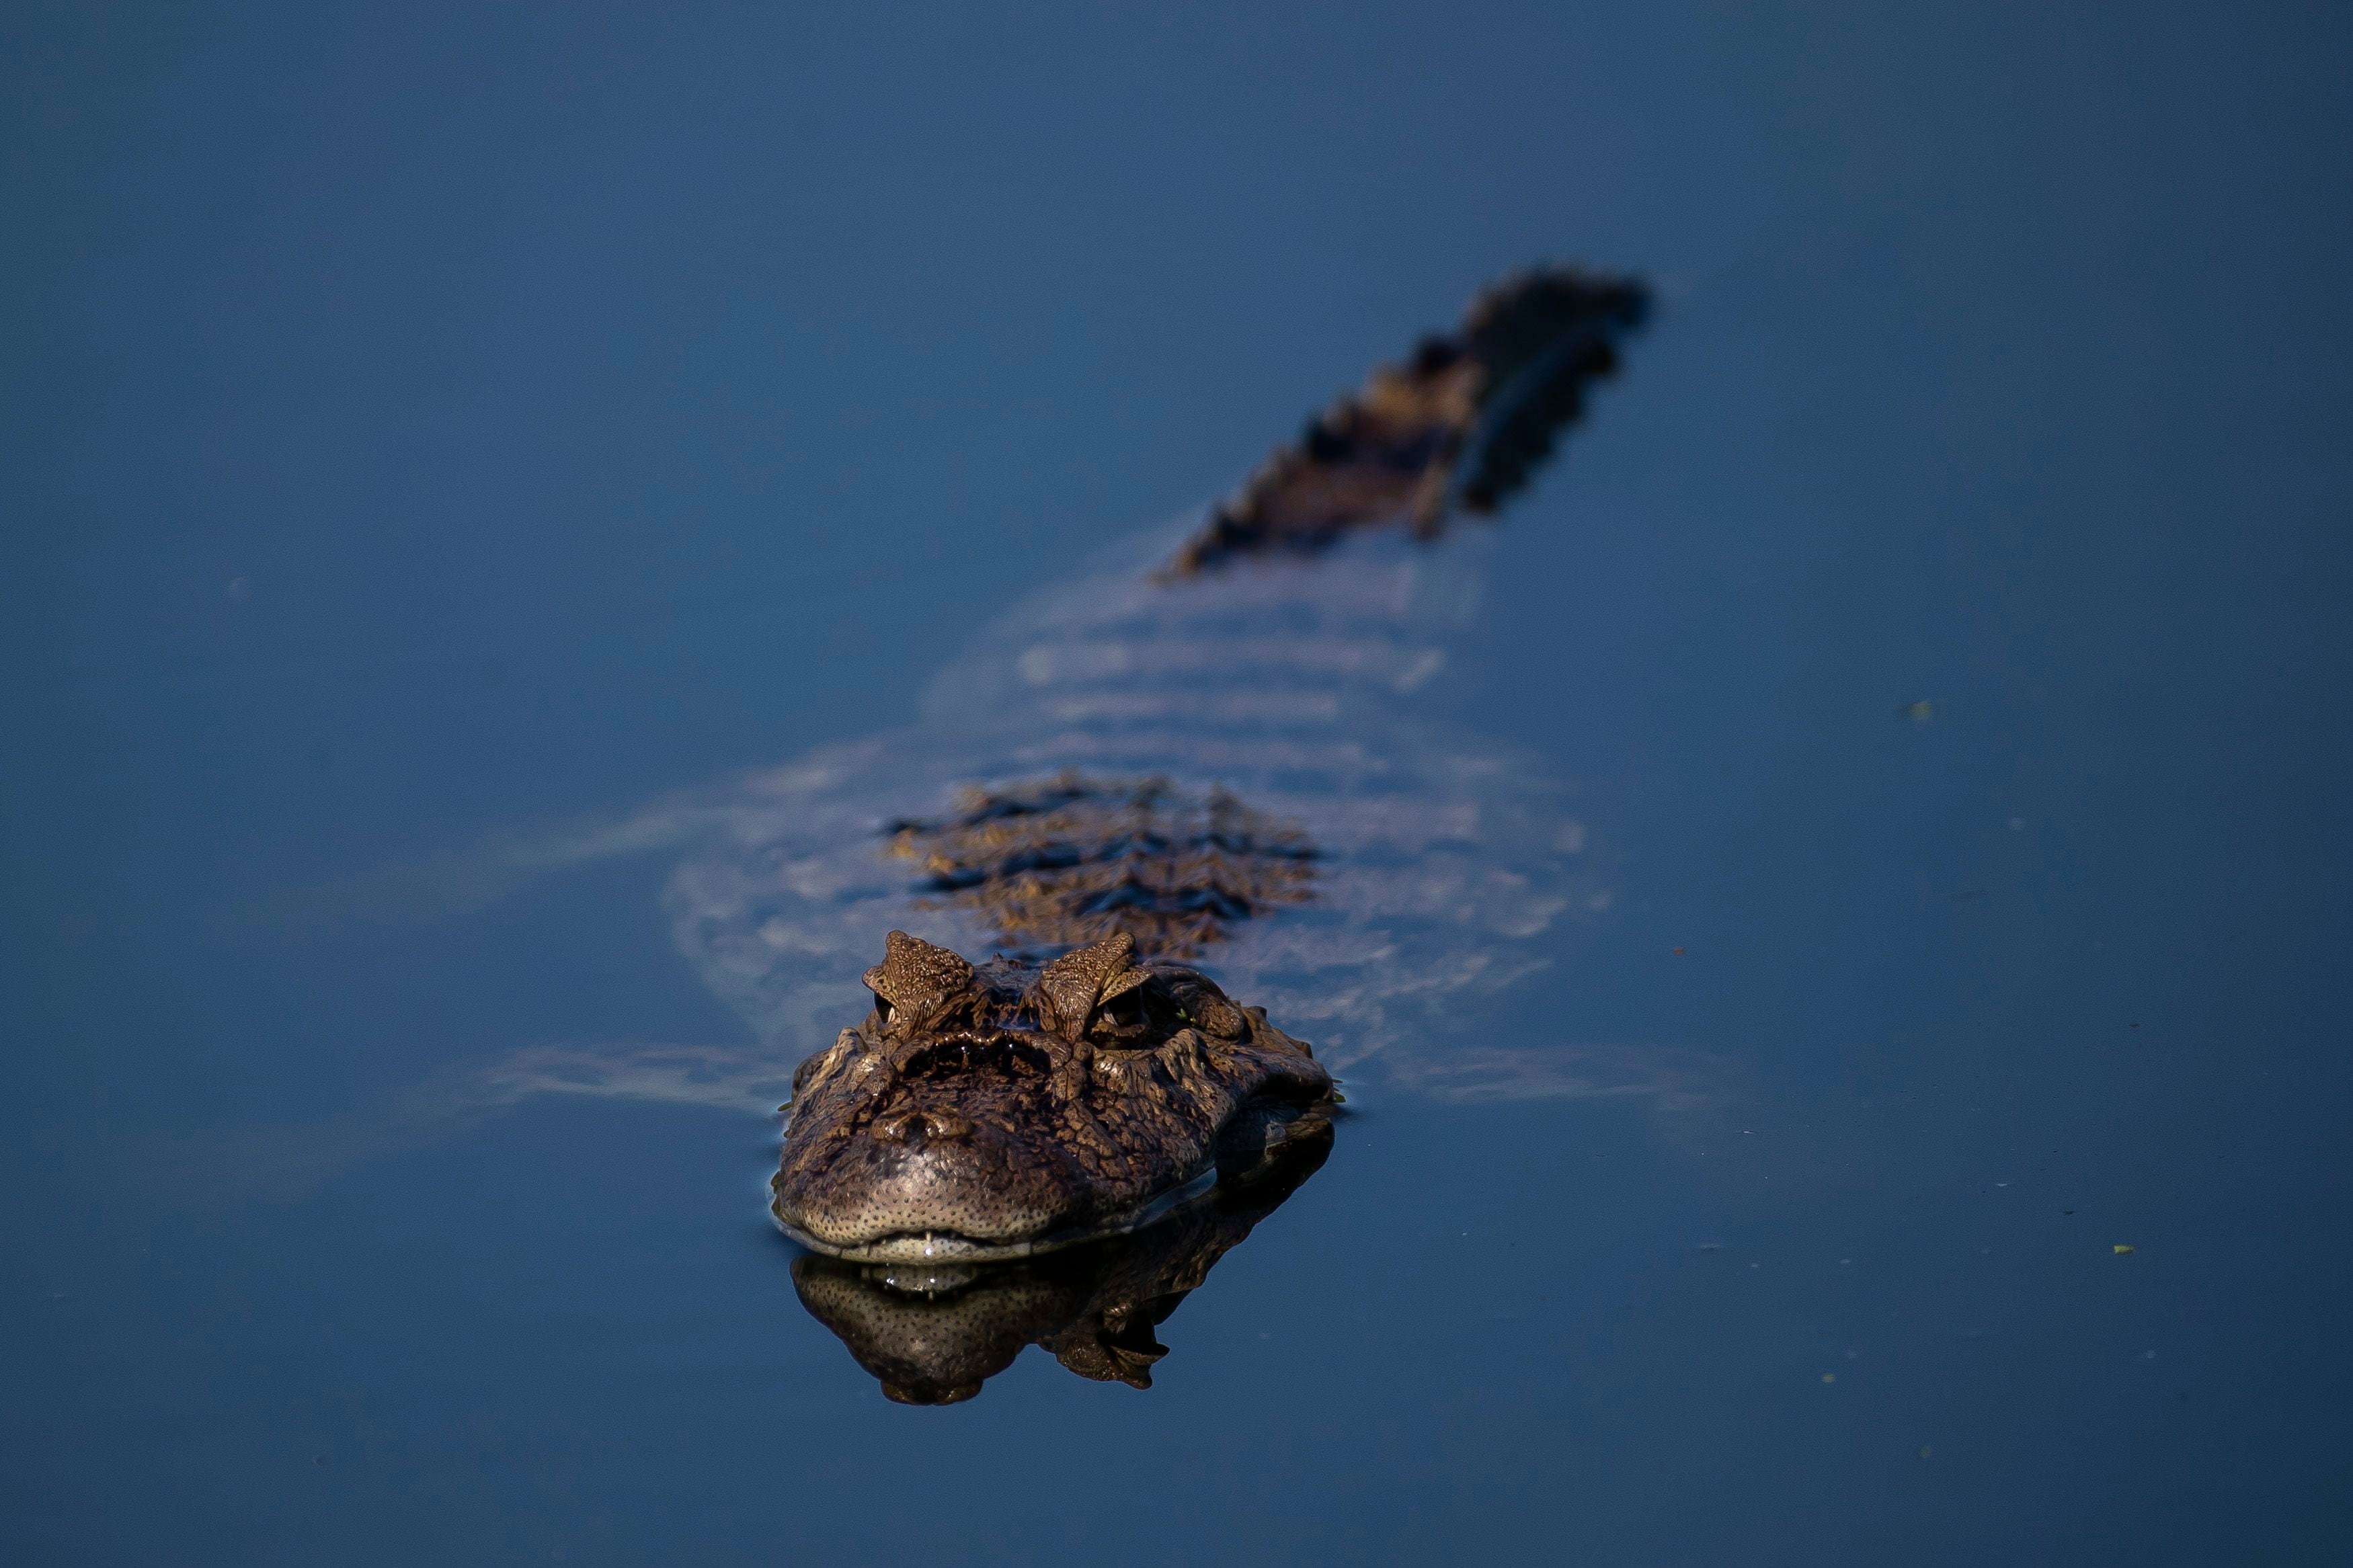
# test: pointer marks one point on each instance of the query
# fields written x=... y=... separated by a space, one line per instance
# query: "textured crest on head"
x=914 y=976
x=1077 y=983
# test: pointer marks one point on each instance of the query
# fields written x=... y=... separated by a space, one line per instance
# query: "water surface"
x=438 y=450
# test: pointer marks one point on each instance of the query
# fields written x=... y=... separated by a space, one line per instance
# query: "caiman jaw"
x=952 y=1247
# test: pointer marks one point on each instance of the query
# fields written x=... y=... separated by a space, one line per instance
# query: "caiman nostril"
x=946 y=1125
x=920 y=1127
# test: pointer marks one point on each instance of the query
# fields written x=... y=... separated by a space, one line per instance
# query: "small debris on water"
x=1710 y=1247
x=1925 y=1452
x=2120 y=1249
x=1679 y=952
x=1829 y=1377
x=1919 y=713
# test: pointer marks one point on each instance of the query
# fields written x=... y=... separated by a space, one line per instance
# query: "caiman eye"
x=1122 y=1015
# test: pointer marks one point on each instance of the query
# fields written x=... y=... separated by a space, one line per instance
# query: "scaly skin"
x=1004 y=1110
x=1056 y=863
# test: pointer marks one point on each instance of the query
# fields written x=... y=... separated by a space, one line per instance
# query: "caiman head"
x=1001 y=1110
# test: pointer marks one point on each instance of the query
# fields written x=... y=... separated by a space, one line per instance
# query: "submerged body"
x=1163 y=768
x=999 y=1111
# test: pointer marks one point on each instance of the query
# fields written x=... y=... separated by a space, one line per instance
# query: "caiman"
x=1090 y=1083
x=1204 y=774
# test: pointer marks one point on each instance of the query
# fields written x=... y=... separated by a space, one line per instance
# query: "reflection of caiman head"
x=932 y=1333
x=998 y=1111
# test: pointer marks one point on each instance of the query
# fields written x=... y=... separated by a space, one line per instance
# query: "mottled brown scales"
x=1054 y=863
x=1025 y=1108
x=1459 y=427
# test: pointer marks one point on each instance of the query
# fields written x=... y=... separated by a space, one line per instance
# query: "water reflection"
x=932 y=1335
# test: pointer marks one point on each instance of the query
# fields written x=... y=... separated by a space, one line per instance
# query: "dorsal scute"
x=914 y=976
x=1079 y=981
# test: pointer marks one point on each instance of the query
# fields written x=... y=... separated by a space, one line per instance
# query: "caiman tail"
x=1460 y=425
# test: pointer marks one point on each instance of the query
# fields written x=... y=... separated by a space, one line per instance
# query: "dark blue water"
x=427 y=434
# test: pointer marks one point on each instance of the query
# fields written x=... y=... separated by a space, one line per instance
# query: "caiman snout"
x=926 y=1181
